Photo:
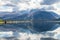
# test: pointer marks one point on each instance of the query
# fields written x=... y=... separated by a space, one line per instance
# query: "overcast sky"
x=31 y=4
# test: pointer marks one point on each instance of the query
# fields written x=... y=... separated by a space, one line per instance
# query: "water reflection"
x=14 y=38
x=48 y=39
x=27 y=36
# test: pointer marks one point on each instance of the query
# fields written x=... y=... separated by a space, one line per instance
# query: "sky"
x=49 y=5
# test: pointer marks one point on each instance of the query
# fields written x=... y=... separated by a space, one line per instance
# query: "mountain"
x=36 y=25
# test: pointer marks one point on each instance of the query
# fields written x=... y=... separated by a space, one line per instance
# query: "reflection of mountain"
x=48 y=39
x=37 y=25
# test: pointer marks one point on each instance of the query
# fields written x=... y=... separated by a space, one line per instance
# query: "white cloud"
x=33 y=4
x=2 y=3
x=6 y=9
x=53 y=7
x=23 y=4
x=57 y=7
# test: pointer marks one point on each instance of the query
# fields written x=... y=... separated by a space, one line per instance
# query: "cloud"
x=47 y=8
x=57 y=7
x=2 y=3
x=32 y=4
x=54 y=6
x=49 y=2
x=6 y=9
x=22 y=4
